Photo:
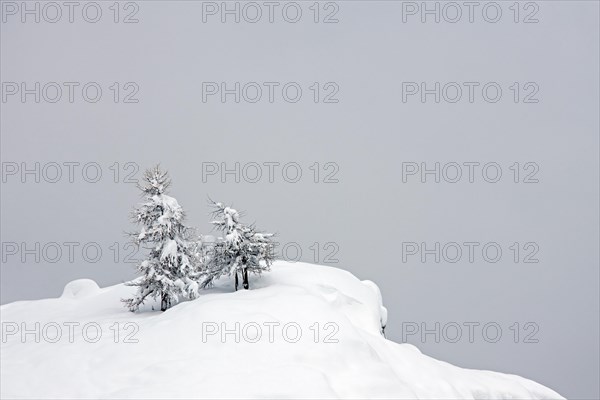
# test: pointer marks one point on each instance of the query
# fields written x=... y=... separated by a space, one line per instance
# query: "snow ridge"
x=211 y=348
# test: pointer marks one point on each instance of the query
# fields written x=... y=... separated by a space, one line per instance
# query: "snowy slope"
x=178 y=355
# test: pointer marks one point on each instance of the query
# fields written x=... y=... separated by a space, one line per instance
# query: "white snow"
x=180 y=355
x=382 y=310
x=171 y=208
x=80 y=288
x=169 y=250
x=170 y=203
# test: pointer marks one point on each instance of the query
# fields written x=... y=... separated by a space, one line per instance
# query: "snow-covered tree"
x=170 y=271
x=241 y=250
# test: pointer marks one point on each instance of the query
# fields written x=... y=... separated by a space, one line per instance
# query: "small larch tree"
x=241 y=250
x=170 y=271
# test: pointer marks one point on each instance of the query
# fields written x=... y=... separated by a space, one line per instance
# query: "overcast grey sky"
x=516 y=87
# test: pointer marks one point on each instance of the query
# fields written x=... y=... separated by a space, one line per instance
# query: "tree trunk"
x=245 y=275
x=236 y=280
x=164 y=303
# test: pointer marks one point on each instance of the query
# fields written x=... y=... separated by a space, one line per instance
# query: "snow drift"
x=302 y=331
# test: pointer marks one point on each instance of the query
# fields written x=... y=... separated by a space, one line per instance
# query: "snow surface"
x=178 y=356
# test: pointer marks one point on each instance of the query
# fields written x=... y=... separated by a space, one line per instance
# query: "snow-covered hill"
x=320 y=337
